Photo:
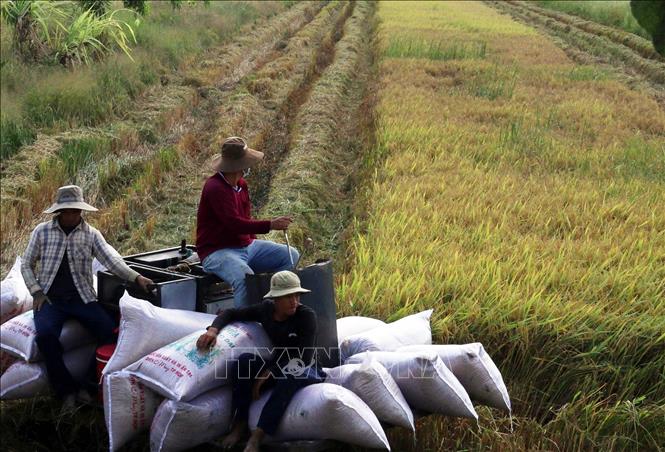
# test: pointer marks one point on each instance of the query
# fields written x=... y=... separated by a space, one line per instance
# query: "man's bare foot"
x=235 y=436
x=254 y=441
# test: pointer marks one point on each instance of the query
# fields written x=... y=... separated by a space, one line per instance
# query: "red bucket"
x=103 y=355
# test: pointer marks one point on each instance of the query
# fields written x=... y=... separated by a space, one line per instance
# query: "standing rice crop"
x=531 y=220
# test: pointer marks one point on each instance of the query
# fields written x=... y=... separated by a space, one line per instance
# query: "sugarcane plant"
x=30 y=21
x=89 y=38
x=61 y=32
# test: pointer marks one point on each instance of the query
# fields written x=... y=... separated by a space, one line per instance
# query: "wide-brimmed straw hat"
x=235 y=156
x=284 y=283
x=70 y=197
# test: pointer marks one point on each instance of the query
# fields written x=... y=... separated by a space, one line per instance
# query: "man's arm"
x=250 y=314
x=29 y=262
x=112 y=260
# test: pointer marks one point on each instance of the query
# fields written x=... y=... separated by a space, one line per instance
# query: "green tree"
x=97 y=7
x=650 y=14
x=140 y=6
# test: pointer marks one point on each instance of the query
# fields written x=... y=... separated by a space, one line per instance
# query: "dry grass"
x=523 y=200
x=257 y=118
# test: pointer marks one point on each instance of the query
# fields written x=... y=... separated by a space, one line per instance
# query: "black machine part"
x=171 y=290
x=163 y=258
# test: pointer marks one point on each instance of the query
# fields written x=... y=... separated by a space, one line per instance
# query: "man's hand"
x=256 y=389
x=38 y=300
x=144 y=283
x=208 y=339
x=280 y=223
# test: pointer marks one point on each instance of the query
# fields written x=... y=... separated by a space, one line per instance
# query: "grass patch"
x=49 y=102
x=415 y=48
x=638 y=158
x=493 y=84
x=13 y=135
x=76 y=154
x=588 y=73
x=115 y=175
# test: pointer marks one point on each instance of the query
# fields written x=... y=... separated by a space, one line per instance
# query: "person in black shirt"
x=291 y=327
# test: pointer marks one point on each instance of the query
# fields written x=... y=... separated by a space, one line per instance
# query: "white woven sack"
x=183 y=425
x=179 y=371
x=373 y=384
x=23 y=380
x=348 y=326
x=325 y=411
x=145 y=328
x=15 y=297
x=425 y=381
x=129 y=407
x=18 y=337
x=411 y=330
x=474 y=368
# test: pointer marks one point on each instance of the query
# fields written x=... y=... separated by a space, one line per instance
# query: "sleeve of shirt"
x=29 y=262
x=225 y=212
x=249 y=314
x=110 y=258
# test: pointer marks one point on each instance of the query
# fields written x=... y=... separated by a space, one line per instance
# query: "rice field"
x=521 y=195
x=500 y=162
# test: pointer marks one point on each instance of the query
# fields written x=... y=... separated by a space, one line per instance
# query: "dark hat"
x=235 y=156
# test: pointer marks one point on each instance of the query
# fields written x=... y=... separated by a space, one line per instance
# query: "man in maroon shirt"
x=225 y=231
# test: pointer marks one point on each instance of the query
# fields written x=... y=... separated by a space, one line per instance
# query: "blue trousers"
x=261 y=256
x=248 y=367
x=49 y=321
